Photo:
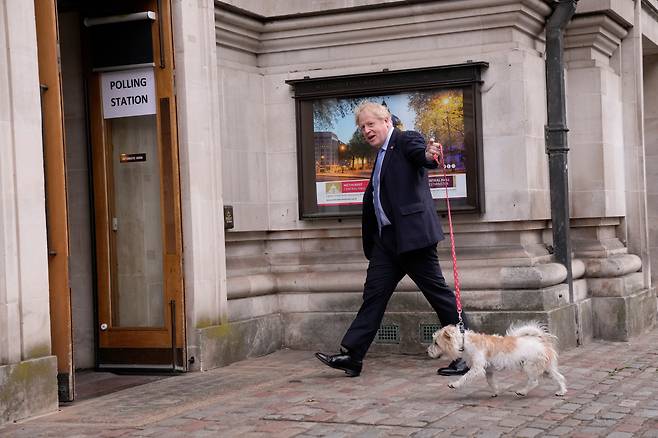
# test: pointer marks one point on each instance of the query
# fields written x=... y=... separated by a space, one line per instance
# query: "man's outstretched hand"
x=432 y=150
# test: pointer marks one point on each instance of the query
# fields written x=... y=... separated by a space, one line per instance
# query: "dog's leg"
x=557 y=378
x=532 y=383
x=533 y=379
x=477 y=370
x=492 y=381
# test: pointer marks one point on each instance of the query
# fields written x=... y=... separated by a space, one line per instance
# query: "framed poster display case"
x=334 y=160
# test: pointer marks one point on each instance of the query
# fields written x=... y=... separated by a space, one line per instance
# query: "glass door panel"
x=137 y=283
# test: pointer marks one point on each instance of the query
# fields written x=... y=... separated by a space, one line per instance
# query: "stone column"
x=651 y=149
x=596 y=137
x=28 y=374
x=607 y=176
x=201 y=171
x=595 y=108
x=635 y=226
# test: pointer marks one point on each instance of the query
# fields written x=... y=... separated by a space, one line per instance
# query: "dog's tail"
x=531 y=328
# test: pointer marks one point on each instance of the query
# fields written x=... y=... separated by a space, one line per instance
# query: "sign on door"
x=128 y=93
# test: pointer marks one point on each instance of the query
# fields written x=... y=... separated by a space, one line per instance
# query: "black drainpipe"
x=556 y=133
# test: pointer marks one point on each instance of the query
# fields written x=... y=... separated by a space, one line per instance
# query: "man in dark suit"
x=400 y=231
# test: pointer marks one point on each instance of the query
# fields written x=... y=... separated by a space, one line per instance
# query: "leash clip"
x=462 y=330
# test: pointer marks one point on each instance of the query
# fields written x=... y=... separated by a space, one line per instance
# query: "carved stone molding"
x=260 y=35
x=238 y=31
x=480 y=278
x=593 y=37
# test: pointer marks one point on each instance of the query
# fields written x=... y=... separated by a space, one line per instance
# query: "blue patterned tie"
x=379 y=211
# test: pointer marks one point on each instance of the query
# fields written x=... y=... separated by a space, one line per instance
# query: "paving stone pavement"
x=613 y=392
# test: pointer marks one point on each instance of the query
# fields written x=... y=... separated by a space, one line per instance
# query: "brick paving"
x=613 y=392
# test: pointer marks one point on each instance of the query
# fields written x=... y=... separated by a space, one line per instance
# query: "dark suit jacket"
x=405 y=196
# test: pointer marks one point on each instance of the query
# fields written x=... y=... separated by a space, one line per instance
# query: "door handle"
x=115 y=224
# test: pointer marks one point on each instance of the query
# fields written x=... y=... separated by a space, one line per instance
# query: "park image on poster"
x=344 y=160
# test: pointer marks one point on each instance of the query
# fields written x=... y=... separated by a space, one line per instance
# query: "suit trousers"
x=385 y=271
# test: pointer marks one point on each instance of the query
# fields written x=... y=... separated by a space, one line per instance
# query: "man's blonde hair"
x=376 y=109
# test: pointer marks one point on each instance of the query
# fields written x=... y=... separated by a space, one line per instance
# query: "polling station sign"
x=128 y=93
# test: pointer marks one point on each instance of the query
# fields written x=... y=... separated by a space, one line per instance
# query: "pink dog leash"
x=455 y=269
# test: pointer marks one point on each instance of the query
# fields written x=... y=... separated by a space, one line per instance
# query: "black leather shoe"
x=457 y=367
x=342 y=361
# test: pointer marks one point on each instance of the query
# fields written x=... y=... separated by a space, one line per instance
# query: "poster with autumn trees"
x=344 y=160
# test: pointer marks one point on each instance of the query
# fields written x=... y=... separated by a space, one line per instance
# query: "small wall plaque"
x=228 y=217
x=132 y=158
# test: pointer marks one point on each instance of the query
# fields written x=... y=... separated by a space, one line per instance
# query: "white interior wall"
x=78 y=197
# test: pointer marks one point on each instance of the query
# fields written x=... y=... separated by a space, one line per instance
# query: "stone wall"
x=304 y=278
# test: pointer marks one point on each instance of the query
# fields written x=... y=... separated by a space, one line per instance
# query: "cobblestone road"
x=613 y=392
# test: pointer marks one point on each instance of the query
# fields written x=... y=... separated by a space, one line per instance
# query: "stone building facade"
x=227 y=71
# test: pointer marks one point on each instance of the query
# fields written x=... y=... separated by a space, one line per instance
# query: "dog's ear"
x=446 y=335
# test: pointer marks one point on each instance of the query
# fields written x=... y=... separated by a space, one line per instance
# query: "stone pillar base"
x=622 y=317
x=221 y=345
x=28 y=388
x=410 y=333
x=409 y=320
x=621 y=304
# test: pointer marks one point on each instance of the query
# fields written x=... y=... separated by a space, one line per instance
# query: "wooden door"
x=137 y=208
x=55 y=188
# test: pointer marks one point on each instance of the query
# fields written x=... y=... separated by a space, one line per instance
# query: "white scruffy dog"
x=526 y=346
